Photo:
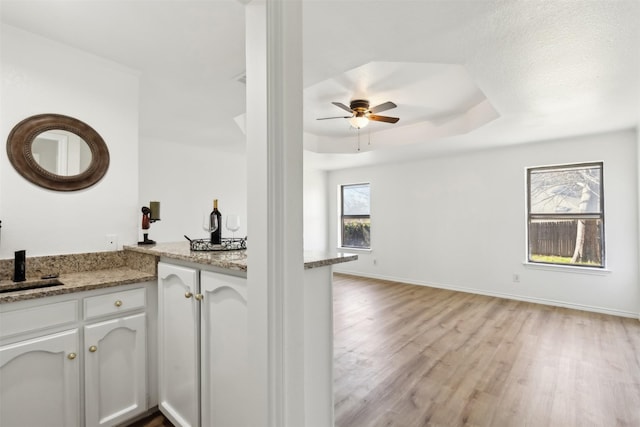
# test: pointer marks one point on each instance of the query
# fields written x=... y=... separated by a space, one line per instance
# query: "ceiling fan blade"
x=385 y=119
x=344 y=107
x=338 y=117
x=382 y=107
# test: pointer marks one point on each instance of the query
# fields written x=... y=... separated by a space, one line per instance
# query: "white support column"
x=638 y=173
x=274 y=201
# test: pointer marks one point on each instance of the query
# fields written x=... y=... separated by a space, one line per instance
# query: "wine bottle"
x=216 y=218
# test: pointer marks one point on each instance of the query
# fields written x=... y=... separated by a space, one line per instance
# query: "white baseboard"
x=535 y=300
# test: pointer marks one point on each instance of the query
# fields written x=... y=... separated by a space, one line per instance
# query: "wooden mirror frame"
x=20 y=155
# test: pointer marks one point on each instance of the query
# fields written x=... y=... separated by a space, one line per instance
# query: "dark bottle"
x=215 y=218
x=20 y=266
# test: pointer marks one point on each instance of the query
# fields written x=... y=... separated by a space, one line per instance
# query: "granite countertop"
x=135 y=264
x=76 y=272
x=73 y=282
x=231 y=260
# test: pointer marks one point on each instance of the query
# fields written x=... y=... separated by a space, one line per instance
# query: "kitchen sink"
x=31 y=285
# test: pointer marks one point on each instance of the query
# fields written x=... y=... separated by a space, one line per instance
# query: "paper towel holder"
x=149 y=215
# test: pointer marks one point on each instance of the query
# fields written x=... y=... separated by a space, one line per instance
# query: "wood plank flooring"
x=416 y=356
x=154 y=420
x=410 y=356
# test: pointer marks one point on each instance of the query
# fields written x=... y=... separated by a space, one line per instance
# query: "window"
x=355 y=216
x=565 y=206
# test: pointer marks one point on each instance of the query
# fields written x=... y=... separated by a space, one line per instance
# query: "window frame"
x=566 y=216
x=343 y=216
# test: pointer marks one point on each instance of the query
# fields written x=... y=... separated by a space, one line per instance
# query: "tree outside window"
x=355 y=216
x=566 y=215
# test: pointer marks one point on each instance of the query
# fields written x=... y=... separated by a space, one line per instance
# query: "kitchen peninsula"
x=203 y=347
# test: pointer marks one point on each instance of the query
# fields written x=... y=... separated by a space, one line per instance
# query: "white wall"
x=185 y=179
x=41 y=76
x=459 y=222
x=316 y=208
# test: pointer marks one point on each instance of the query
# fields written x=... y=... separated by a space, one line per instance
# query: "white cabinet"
x=115 y=370
x=115 y=357
x=52 y=348
x=40 y=381
x=202 y=324
x=178 y=360
x=223 y=349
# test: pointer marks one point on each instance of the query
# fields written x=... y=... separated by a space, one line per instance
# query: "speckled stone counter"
x=88 y=271
x=323 y=259
x=230 y=260
x=77 y=272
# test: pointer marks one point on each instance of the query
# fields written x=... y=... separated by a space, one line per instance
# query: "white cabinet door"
x=178 y=358
x=115 y=370
x=224 y=349
x=40 y=382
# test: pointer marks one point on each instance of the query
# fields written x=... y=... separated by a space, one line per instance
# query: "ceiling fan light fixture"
x=362 y=114
x=358 y=122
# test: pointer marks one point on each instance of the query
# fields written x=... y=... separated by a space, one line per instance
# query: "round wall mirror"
x=58 y=152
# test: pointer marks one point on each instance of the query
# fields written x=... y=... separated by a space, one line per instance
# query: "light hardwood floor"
x=154 y=420
x=417 y=356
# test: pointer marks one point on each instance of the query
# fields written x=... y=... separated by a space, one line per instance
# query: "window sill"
x=568 y=268
x=361 y=250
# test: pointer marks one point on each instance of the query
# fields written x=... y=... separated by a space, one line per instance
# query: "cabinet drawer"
x=38 y=317
x=114 y=302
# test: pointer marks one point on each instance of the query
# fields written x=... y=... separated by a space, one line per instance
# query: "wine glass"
x=233 y=224
x=210 y=223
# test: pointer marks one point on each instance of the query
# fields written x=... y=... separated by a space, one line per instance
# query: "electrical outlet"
x=516 y=278
x=112 y=242
x=375 y=261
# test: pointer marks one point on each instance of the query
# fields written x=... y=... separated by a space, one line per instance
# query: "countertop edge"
x=177 y=250
x=331 y=260
x=231 y=260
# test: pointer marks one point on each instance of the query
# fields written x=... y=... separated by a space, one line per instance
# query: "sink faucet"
x=20 y=266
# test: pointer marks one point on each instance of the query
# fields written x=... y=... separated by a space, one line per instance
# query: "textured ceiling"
x=549 y=68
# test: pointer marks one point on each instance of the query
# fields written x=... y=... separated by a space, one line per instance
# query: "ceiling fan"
x=361 y=113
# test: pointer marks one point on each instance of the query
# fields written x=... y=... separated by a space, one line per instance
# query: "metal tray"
x=227 y=244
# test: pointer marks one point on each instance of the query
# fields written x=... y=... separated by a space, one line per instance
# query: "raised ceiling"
x=548 y=68
x=440 y=99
